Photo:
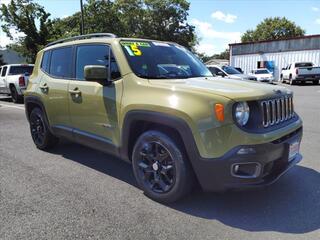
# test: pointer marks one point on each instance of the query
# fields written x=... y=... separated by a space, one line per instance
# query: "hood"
x=229 y=88
x=242 y=76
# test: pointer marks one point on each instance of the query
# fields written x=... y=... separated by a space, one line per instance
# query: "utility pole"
x=82 y=19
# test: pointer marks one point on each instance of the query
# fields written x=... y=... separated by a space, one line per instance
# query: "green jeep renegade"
x=155 y=105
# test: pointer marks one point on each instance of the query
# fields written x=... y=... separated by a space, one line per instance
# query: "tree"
x=153 y=19
x=1 y=60
x=223 y=55
x=33 y=21
x=273 y=29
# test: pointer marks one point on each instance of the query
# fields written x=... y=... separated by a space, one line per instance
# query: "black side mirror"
x=220 y=74
x=96 y=73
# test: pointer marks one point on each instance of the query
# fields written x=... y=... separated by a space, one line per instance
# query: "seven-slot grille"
x=277 y=110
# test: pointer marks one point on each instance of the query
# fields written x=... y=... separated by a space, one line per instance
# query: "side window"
x=4 y=71
x=114 y=69
x=214 y=70
x=45 y=61
x=61 y=62
x=91 y=55
x=0 y=70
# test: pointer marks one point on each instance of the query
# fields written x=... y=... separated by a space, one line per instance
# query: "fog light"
x=246 y=170
x=243 y=151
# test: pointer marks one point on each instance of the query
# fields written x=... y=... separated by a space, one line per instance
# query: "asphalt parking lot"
x=74 y=192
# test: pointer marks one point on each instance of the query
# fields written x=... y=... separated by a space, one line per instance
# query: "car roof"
x=108 y=40
x=18 y=64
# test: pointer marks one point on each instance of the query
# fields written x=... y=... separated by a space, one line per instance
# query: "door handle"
x=44 y=87
x=75 y=91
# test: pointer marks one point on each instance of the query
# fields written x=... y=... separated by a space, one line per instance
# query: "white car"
x=229 y=72
x=14 y=79
x=262 y=75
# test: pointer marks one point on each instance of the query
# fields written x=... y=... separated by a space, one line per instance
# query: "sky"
x=219 y=22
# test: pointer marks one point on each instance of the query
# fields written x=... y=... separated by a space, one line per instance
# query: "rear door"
x=94 y=109
x=56 y=65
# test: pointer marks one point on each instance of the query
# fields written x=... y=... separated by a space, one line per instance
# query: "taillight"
x=297 y=71
x=22 y=81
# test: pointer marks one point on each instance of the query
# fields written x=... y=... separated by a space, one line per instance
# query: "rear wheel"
x=40 y=133
x=161 y=167
x=16 y=98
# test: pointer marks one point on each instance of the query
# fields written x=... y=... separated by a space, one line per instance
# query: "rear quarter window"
x=45 y=63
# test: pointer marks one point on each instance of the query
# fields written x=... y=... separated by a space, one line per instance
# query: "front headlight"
x=242 y=113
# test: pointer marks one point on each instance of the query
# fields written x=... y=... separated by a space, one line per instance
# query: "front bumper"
x=271 y=159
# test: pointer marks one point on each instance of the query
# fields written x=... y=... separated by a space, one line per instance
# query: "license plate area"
x=293 y=150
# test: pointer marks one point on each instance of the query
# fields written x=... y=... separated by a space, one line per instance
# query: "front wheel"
x=161 y=167
x=40 y=133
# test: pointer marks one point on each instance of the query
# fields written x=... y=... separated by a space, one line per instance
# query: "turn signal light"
x=219 y=110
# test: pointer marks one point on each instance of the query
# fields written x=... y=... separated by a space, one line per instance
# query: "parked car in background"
x=262 y=75
x=239 y=69
x=14 y=79
x=300 y=72
x=229 y=72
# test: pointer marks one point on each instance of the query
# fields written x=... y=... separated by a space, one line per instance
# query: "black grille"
x=276 y=111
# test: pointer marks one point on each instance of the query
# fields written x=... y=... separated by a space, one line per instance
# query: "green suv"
x=155 y=105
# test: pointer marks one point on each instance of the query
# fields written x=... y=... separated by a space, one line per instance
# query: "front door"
x=56 y=67
x=94 y=107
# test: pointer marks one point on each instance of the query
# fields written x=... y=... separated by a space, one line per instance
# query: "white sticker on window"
x=161 y=44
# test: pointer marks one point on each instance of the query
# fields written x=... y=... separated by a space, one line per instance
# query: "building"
x=217 y=62
x=276 y=54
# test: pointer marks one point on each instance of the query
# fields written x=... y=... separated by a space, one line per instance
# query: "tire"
x=16 y=98
x=41 y=135
x=315 y=82
x=161 y=167
x=291 y=82
x=281 y=78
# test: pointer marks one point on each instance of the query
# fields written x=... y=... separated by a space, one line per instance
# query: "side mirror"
x=220 y=74
x=96 y=73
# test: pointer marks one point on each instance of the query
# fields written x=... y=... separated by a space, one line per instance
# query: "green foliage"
x=32 y=20
x=223 y=55
x=273 y=29
x=153 y=19
x=1 y=60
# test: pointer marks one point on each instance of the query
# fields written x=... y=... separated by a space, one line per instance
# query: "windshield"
x=230 y=70
x=264 y=71
x=16 y=70
x=158 y=60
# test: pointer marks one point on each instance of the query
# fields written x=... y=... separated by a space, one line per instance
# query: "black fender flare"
x=162 y=119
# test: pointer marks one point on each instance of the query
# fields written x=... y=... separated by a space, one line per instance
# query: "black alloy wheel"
x=156 y=167
x=40 y=133
x=161 y=167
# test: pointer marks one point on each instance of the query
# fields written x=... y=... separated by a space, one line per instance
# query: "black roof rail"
x=92 y=35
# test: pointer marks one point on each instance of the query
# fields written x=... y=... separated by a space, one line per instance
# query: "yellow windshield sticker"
x=135 y=49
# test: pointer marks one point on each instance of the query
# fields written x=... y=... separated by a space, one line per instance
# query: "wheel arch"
x=138 y=121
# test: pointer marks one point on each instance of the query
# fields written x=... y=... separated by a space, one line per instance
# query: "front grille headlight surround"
x=241 y=113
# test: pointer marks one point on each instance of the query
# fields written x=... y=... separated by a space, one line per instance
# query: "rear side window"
x=45 y=61
x=4 y=70
x=17 y=70
x=61 y=62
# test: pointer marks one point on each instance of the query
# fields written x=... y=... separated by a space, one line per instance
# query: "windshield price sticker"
x=139 y=44
x=133 y=47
